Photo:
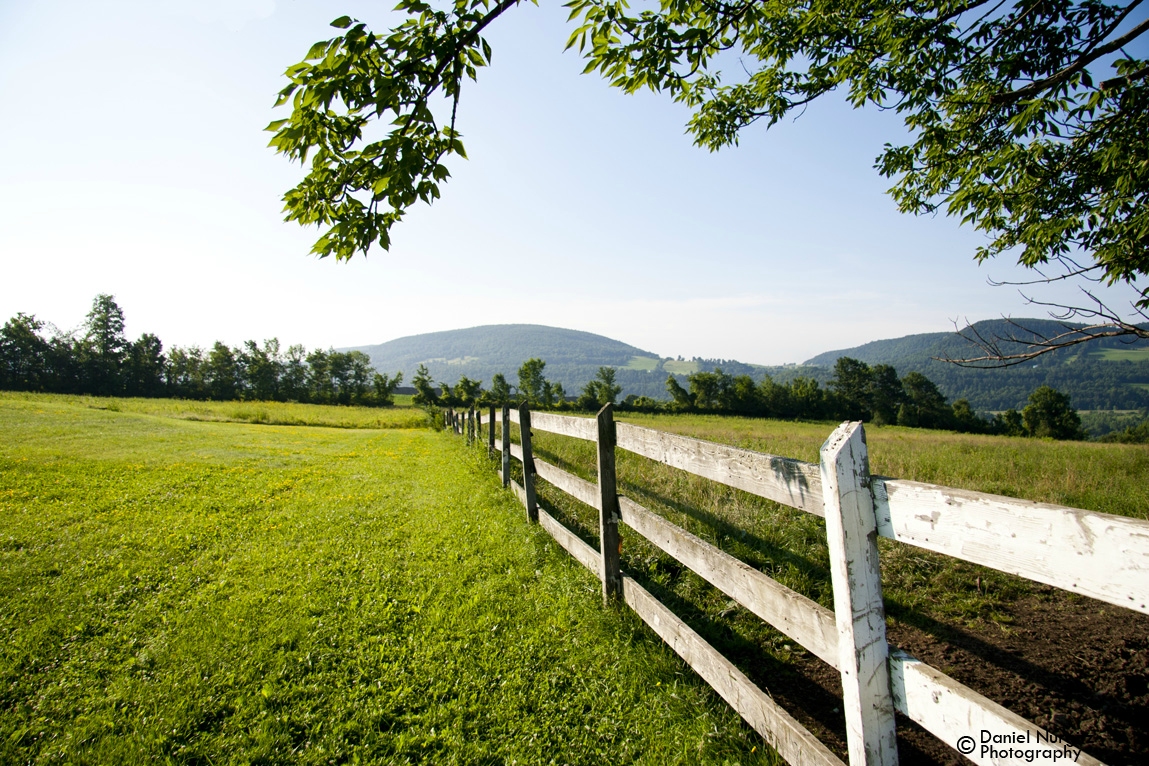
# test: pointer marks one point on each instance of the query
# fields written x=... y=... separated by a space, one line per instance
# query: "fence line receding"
x=1098 y=555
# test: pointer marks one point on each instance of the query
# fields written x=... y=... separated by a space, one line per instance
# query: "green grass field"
x=647 y=363
x=191 y=582
x=1124 y=354
x=403 y=415
x=178 y=589
x=680 y=368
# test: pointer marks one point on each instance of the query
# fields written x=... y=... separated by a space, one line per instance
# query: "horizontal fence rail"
x=1098 y=555
x=1095 y=554
x=784 y=480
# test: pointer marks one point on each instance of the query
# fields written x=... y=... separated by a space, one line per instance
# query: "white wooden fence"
x=1095 y=554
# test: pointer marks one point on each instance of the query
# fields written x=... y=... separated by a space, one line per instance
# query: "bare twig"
x=1100 y=322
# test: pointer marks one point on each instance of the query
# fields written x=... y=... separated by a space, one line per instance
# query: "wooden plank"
x=565 y=425
x=515 y=450
x=610 y=546
x=505 y=444
x=807 y=622
x=583 y=553
x=871 y=735
x=520 y=493
x=792 y=482
x=491 y=430
x=514 y=415
x=803 y=620
x=951 y=711
x=792 y=741
x=1095 y=554
x=580 y=489
x=527 y=458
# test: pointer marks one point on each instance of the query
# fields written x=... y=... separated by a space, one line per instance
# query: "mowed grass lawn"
x=199 y=592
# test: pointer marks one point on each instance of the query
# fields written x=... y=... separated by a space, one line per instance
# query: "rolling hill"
x=1108 y=374
x=573 y=357
x=1105 y=374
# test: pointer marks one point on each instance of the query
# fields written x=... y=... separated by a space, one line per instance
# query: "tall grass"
x=790 y=545
x=1100 y=477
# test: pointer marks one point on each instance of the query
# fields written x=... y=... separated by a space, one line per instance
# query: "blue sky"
x=136 y=164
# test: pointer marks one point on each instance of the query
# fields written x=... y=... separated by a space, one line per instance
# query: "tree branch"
x=1056 y=79
x=1125 y=79
x=1037 y=344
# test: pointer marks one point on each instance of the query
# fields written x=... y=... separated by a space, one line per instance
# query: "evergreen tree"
x=104 y=348
x=884 y=394
x=924 y=405
x=850 y=385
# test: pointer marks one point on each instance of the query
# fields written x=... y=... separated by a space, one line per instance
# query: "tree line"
x=856 y=391
x=98 y=359
x=533 y=388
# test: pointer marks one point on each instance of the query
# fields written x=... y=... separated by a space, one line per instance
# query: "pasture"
x=1070 y=664
x=174 y=588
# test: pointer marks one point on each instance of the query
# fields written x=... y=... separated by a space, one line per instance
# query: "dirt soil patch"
x=1076 y=667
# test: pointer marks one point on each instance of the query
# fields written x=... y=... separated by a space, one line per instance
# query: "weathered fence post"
x=528 y=463
x=851 y=531
x=491 y=429
x=608 y=516
x=506 y=445
x=470 y=426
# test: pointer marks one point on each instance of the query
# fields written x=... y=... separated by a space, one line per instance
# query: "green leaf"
x=342 y=22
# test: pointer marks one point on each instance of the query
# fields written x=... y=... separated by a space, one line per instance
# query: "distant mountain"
x=1107 y=374
x=573 y=357
x=1104 y=374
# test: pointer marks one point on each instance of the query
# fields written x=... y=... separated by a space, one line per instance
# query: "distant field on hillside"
x=196 y=591
x=1124 y=354
x=680 y=368
x=644 y=363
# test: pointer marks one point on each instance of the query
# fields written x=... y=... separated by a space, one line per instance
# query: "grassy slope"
x=217 y=592
x=1124 y=354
